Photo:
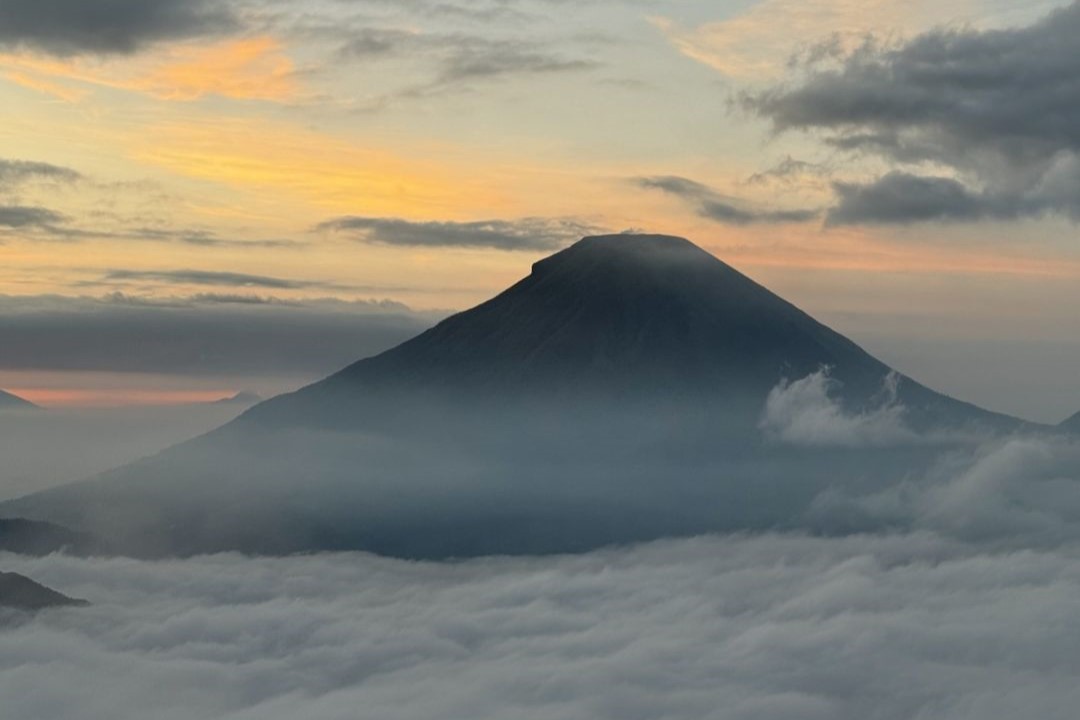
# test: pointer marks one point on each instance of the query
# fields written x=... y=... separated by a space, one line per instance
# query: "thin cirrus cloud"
x=76 y=27
x=523 y=234
x=999 y=109
x=245 y=68
x=710 y=204
x=20 y=217
x=216 y=279
x=456 y=61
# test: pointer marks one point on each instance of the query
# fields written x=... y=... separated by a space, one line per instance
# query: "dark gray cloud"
x=202 y=238
x=900 y=197
x=712 y=205
x=216 y=278
x=523 y=234
x=72 y=27
x=499 y=59
x=1000 y=109
x=787 y=171
x=23 y=217
x=15 y=172
x=204 y=335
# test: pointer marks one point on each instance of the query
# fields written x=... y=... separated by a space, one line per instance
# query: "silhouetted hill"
x=22 y=593
x=27 y=537
x=9 y=401
x=1072 y=424
x=612 y=395
x=240 y=399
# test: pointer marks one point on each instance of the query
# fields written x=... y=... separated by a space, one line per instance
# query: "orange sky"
x=222 y=153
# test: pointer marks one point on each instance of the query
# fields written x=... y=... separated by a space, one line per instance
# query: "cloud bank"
x=980 y=125
x=524 y=234
x=73 y=27
x=206 y=334
x=770 y=628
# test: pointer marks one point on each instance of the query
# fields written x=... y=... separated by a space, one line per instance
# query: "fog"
x=944 y=588
x=43 y=448
x=420 y=477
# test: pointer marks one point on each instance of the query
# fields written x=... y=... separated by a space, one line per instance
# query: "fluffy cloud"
x=998 y=109
x=712 y=205
x=524 y=234
x=768 y=627
x=70 y=27
x=1015 y=491
x=803 y=412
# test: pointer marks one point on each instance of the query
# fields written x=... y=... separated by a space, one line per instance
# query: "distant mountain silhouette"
x=612 y=395
x=9 y=401
x=241 y=399
x=27 y=537
x=22 y=593
x=1072 y=424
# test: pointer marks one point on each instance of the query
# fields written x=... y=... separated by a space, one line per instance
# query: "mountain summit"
x=627 y=318
x=611 y=395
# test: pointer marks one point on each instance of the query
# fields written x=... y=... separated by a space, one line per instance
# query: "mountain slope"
x=14 y=402
x=612 y=395
x=22 y=593
x=1072 y=424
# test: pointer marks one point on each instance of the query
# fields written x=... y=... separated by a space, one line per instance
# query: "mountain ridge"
x=14 y=402
x=592 y=402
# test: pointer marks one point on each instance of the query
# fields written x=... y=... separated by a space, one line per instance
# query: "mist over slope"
x=614 y=395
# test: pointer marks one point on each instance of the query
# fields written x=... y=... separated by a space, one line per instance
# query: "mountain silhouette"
x=241 y=399
x=22 y=593
x=612 y=395
x=26 y=537
x=1072 y=424
x=14 y=402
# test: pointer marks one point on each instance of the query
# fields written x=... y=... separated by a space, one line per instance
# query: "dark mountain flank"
x=14 y=402
x=612 y=395
x=22 y=593
x=27 y=537
x=1072 y=424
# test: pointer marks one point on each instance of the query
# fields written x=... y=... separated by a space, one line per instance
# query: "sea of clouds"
x=959 y=601
x=911 y=625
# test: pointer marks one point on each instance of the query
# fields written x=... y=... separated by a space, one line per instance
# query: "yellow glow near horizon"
x=246 y=69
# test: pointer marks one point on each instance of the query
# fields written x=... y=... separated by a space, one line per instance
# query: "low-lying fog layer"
x=764 y=627
x=43 y=448
x=958 y=600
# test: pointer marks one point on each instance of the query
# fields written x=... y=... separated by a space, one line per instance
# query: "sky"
x=199 y=197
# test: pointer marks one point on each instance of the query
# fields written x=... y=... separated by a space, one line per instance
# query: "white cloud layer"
x=766 y=627
x=804 y=412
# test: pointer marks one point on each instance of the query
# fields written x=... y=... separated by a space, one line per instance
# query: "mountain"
x=14 y=402
x=242 y=399
x=22 y=593
x=612 y=395
x=27 y=537
x=1072 y=424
